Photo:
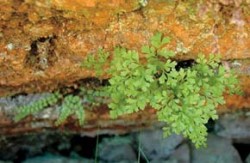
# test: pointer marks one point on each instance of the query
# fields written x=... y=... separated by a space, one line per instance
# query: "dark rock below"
x=155 y=146
x=218 y=150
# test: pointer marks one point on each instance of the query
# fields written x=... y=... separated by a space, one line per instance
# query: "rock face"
x=218 y=150
x=155 y=146
x=43 y=43
x=56 y=159
x=234 y=126
x=119 y=149
x=181 y=154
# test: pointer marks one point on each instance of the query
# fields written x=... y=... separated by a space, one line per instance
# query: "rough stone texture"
x=219 y=150
x=38 y=37
x=56 y=159
x=118 y=149
x=155 y=146
x=180 y=155
x=96 y=121
x=120 y=161
x=42 y=44
x=248 y=159
x=234 y=126
x=111 y=149
x=163 y=161
x=29 y=145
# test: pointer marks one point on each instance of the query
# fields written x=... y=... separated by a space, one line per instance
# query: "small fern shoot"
x=37 y=106
x=71 y=105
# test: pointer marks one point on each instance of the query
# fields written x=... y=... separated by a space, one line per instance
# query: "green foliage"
x=37 y=106
x=185 y=99
x=96 y=62
x=71 y=105
x=93 y=97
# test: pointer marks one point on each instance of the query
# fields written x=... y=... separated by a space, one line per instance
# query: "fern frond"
x=36 y=106
x=70 y=106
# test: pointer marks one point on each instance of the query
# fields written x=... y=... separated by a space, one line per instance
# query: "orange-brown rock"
x=42 y=43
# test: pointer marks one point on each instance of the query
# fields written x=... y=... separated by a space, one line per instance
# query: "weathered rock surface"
x=234 y=126
x=56 y=159
x=218 y=150
x=38 y=37
x=155 y=146
x=181 y=155
x=117 y=150
x=114 y=149
x=43 y=43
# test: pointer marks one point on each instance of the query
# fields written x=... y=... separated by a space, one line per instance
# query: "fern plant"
x=37 y=106
x=71 y=105
x=184 y=98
